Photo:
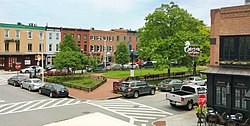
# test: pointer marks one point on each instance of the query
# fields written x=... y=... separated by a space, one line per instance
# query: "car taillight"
x=129 y=89
x=166 y=95
x=56 y=91
x=165 y=85
x=182 y=99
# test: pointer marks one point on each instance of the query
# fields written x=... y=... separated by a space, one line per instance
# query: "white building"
x=53 y=38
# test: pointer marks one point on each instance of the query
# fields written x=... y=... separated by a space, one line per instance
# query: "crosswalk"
x=132 y=110
x=36 y=105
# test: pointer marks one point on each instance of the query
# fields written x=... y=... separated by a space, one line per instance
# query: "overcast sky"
x=100 y=14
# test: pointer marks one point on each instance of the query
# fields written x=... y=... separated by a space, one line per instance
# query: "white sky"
x=100 y=14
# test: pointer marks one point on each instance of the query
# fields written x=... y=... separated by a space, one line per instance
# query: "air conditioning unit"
x=247 y=2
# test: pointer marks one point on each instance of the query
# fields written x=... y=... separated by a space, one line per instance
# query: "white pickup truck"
x=187 y=96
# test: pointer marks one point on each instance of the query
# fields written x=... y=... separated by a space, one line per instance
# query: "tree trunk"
x=168 y=73
x=194 y=71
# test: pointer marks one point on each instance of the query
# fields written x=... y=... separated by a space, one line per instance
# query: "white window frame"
x=92 y=48
x=50 y=48
x=110 y=48
x=31 y=35
x=6 y=32
x=18 y=33
x=57 y=36
x=50 y=35
x=92 y=37
x=98 y=38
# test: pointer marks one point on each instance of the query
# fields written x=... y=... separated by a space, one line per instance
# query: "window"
x=95 y=48
x=17 y=47
x=92 y=37
x=29 y=47
x=6 y=46
x=98 y=48
x=110 y=38
x=17 y=34
x=117 y=38
x=98 y=38
x=221 y=95
x=50 y=47
x=41 y=35
x=130 y=38
x=2 y=61
x=239 y=95
x=125 y=38
x=6 y=33
x=136 y=39
x=130 y=47
x=29 y=34
x=85 y=48
x=72 y=35
x=57 y=36
x=110 y=48
x=40 y=47
x=50 y=35
x=92 y=48
x=85 y=38
x=57 y=47
x=79 y=38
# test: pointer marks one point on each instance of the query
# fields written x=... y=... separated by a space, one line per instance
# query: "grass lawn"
x=82 y=81
x=142 y=72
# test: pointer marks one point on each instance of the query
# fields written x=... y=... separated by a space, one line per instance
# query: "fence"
x=162 y=76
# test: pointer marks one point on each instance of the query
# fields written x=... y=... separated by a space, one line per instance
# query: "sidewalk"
x=102 y=92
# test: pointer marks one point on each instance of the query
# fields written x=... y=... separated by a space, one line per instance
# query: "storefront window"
x=221 y=97
x=239 y=101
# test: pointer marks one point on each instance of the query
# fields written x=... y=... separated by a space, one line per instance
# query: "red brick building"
x=229 y=75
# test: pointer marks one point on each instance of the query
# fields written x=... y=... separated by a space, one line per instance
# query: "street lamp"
x=131 y=56
x=105 y=50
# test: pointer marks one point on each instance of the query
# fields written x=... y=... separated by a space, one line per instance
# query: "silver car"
x=31 y=84
x=170 y=85
x=195 y=81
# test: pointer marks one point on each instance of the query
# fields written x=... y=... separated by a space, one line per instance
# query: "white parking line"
x=57 y=103
x=19 y=107
x=69 y=101
x=33 y=105
x=52 y=100
x=9 y=107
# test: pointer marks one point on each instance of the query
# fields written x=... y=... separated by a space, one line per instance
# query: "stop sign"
x=202 y=100
x=18 y=66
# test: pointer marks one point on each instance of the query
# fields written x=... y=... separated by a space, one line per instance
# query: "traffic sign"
x=18 y=66
x=202 y=100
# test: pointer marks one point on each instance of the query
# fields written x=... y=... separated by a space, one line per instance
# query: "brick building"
x=20 y=43
x=229 y=74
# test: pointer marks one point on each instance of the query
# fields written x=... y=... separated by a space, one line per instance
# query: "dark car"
x=136 y=88
x=148 y=64
x=54 y=90
x=170 y=84
x=16 y=80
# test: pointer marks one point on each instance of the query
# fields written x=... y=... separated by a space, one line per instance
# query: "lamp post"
x=132 y=70
x=105 y=51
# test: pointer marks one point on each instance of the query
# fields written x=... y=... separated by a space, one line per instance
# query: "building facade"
x=229 y=74
x=20 y=43
x=53 y=38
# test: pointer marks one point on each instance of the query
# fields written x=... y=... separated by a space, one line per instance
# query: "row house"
x=20 y=43
x=229 y=75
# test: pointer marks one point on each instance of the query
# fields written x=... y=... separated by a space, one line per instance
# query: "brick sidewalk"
x=102 y=92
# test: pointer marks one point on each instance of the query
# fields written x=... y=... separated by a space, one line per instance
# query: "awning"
x=247 y=96
x=227 y=71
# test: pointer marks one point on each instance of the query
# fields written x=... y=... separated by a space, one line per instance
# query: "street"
x=24 y=108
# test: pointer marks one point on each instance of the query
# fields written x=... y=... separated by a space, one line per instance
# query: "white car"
x=31 y=84
x=129 y=66
x=30 y=68
x=195 y=81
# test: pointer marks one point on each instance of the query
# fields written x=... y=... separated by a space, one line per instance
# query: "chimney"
x=247 y=2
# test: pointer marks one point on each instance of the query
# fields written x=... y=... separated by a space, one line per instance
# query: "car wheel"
x=40 y=91
x=29 y=88
x=189 y=105
x=26 y=71
x=51 y=94
x=136 y=94
x=173 y=105
x=152 y=92
x=172 y=89
x=21 y=86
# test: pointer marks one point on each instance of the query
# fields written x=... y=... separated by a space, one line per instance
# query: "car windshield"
x=190 y=78
x=166 y=81
x=58 y=86
x=37 y=81
x=124 y=84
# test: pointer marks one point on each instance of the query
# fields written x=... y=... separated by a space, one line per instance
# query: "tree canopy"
x=165 y=31
x=122 y=54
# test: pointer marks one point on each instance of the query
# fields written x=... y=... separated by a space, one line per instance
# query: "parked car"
x=136 y=88
x=49 y=67
x=187 y=96
x=195 y=81
x=89 y=69
x=148 y=64
x=54 y=90
x=114 y=67
x=31 y=84
x=170 y=84
x=30 y=68
x=129 y=66
x=16 y=80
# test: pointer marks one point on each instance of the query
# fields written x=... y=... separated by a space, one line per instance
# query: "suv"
x=136 y=88
x=30 y=68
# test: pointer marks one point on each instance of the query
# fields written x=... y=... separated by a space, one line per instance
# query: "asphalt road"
x=24 y=108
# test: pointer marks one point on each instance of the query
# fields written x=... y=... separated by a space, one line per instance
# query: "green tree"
x=68 y=44
x=122 y=54
x=165 y=31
